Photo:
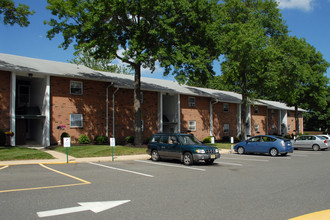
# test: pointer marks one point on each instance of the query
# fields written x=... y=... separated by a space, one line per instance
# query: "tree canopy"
x=182 y=35
x=15 y=15
x=248 y=30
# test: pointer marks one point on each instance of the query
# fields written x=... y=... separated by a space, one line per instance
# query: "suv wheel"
x=155 y=155
x=187 y=159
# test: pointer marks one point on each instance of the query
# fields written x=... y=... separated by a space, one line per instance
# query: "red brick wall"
x=220 y=117
x=91 y=104
x=292 y=123
x=200 y=113
x=124 y=114
x=5 y=83
x=260 y=119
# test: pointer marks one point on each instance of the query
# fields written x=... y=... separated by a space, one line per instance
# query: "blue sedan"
x=265 y=144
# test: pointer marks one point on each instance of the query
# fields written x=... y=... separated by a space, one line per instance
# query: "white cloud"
x=306 y=5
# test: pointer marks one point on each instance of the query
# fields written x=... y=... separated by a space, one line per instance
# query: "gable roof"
x=25 y=65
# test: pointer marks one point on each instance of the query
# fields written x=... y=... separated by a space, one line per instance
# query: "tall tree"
x=15 y=15
x=249 y=27
x=181 y=34
x=301 y=79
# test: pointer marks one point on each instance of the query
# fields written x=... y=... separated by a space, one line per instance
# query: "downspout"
x=107 y=109
x=113 y=112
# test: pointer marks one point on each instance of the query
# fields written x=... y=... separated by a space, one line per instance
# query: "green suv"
x=184 y=147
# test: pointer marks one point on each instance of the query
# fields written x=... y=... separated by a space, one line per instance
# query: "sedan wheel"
x=240 y=150
x=316 y=147
x=187 y=159
x=155 y=155
x=273 y=152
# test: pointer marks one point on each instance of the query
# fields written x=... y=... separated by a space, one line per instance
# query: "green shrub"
x=63 y=135
x=306 y=133
x=146 y=141
x=101 y=140
x=207 y=140
x=129 y=139
x=2 y=138
x=225 y=139
x=288 y=136
x=83 y=139
x=237 y=139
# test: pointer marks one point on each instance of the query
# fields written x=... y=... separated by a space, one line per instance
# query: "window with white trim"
x=256 y=110
x=76 y=87
x=191 y=102
x=226 y=128
x=192 y=125
x=226 y=107
x=76 y=120
x=256 y=128
x=273 y=127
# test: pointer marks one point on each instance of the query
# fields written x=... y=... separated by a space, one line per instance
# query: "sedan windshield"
x=188 y=139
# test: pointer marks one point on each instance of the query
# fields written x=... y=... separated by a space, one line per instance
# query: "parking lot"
x=234 y=187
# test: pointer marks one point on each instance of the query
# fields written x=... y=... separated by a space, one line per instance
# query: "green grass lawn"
x=101 y=150
x=222 y=145
x=22 y=153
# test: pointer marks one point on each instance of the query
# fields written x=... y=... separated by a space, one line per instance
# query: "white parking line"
x=307 y=152
x=234 y=164
x=231 y=158
x=299 y=155
x=128 y=171
x=169 y=165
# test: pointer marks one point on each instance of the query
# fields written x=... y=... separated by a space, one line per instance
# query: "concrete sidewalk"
x=61 y=158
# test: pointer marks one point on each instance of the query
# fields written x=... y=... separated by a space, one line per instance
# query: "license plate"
x=212 y=156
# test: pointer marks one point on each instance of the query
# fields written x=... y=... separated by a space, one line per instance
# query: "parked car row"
x=187 y=149
x=273 y=145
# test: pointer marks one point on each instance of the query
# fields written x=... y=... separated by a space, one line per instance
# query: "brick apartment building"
x=40 y=99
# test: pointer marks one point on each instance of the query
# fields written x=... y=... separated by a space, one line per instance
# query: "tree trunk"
x=244 y=106
x=297 y=119
x=137 y=106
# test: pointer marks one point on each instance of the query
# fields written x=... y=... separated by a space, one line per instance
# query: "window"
x=226 y=128
x=76 y=87
x=226 y=107
x=191 y=101
x=289 y=127
x=288 y=113
x=164 y=139
x=256 y=110
x=76 y=120
x=256 y=128
x=141 y=100
x=192 y=125
x=273 y=127
x=155 y=138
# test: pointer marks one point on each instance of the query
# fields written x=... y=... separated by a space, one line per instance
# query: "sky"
x=309 y=19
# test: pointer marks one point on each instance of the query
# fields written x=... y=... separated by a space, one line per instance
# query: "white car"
x=314 y=142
